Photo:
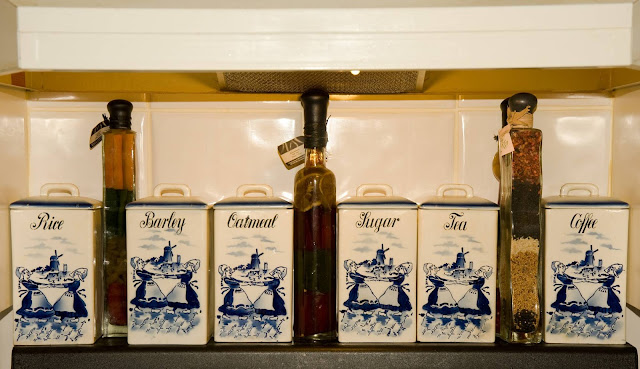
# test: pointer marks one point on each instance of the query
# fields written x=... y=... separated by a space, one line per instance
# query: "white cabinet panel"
x=191 y=36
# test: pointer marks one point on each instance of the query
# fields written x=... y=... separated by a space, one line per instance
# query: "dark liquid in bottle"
x=315 y=274
x=115 y=267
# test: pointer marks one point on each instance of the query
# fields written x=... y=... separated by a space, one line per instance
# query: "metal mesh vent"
x=333 y=82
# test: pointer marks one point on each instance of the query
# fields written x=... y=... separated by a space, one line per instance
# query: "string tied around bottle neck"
x=521 y=118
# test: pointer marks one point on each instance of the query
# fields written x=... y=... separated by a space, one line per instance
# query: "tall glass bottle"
x=315 y=230
x=119 y=168
x=520 y=193
x=496 y=173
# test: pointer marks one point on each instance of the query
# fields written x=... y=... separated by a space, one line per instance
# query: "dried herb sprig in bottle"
x=520 y=194
x=119 y=168
x=315 y=230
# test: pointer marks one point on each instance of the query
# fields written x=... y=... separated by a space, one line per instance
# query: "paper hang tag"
x=504 y=140
x=292 y=152
x=98 y=131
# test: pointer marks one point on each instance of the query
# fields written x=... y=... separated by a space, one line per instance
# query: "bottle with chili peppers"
x=119 y=168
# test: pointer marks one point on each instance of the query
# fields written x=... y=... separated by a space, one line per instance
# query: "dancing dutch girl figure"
x=474 y=301
x=235 y=301
x=395 y=297
x=183 y=295
x=148 y=294
x=270 y=303
x=440 y=300
x=361 y=297
x=605 y=300
x=34 y=302
x=70 y=304
x=569 y=300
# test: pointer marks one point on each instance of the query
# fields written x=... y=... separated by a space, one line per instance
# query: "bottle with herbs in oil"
x=315 y=230
x=520 y=276
x=119 y=168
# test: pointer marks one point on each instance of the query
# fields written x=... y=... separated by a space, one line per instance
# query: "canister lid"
x=45 y=200
x=467 y=201
x=159 y=200
x=567 y=201
x=379 y=196
x=241 y=200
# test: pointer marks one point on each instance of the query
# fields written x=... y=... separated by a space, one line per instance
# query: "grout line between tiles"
x=146 y=153
x=236 y=110
x=456 y=143
x=611 y=143
x=548 y=108
x=372 y=110
x=148 y=107
x=383 y=109
x=83 y=110
x=27 y=137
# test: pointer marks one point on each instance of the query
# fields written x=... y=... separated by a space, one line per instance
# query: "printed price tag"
x=98 y=131
x=292 y=152
x=504 y=140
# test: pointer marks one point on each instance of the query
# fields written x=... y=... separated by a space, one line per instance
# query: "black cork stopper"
x=120 y=114
x=520 y=101
x=315 y=103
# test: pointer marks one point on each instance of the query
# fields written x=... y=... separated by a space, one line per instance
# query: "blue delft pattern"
x=467 y=316
x=577 y=313
x=389 y=314
x=39 y=319
x=174 y=311
x=239 y=316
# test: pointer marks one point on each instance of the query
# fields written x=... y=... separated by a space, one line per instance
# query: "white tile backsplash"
x=410 y=150
x=59 y=148
x=215 y=152
x=576 y=147
x=477 y=148
x=412 y=145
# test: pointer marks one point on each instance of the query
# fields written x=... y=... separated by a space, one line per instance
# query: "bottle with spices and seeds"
x=520 y=193
x=315 y=230
x=119 y=167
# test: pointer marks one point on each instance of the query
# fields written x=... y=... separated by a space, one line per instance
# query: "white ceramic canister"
x=457 y=257
x=254 y=267
x=57 y=259
x=585 y=266
x=169 y=268
x=377 y=250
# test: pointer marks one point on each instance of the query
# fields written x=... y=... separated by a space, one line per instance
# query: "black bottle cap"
x=315 y=103
x=520 y=101
x=503 y=106
x=120 y=114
